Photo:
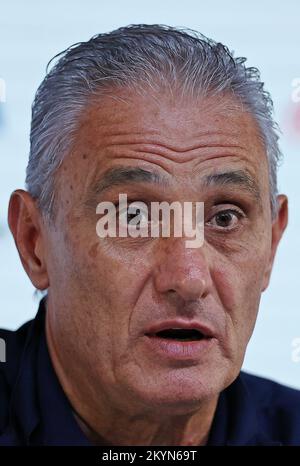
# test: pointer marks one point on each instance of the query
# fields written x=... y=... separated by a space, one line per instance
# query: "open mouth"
x=179 y=334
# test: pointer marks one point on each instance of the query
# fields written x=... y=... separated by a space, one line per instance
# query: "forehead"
x=176 y=136
x=155 y=117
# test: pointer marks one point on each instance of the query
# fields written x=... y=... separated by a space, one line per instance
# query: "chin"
x=179 y=395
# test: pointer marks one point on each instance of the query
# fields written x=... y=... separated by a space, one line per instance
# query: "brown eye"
x=226 y=219
x=138 y=214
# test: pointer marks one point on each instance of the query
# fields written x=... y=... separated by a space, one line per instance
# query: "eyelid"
x=227 y=207
x=242 y=202
x=132 y=203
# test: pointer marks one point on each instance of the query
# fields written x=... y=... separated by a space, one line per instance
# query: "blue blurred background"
x=267 y=33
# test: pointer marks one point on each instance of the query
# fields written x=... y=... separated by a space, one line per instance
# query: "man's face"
x=105 y=293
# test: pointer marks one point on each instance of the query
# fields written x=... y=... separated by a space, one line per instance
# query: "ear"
x=25 y=223
x=278 y=227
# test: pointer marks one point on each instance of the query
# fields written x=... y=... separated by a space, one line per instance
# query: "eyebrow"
x=239 y=178
x=120 y=175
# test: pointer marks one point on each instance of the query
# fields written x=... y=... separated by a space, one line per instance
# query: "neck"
x=172 y=431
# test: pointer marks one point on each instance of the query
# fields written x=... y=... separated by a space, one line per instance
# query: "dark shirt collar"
x=24 y=412
x=42 y=414
x=40 y=411
x=236 y=421
x=58 y=424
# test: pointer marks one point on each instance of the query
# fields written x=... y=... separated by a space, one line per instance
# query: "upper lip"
x=168 y=324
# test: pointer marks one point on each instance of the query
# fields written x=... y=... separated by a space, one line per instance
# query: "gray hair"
x=137 y=55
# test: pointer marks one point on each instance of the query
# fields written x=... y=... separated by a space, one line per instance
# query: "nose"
x=183 y=272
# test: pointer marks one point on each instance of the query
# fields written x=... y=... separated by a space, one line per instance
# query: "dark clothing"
x=35 y=411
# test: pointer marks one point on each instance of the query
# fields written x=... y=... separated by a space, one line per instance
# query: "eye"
x=136 y=214
x=226 y=219
x=139 y=217
x=134 y=220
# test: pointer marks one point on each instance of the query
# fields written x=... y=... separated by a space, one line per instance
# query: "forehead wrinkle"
x=184 y=155
x=160 y=145
x=162 y=154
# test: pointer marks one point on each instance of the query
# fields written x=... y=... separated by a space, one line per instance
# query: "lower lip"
x=179 y=350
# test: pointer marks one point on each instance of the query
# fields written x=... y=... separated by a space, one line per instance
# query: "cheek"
x=238 y=287
x=116 y=275
x=108 y=284
x=224 y=285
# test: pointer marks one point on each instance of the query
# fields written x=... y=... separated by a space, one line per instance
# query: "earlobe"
x=278 y=227
x=24 y=222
